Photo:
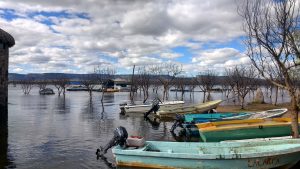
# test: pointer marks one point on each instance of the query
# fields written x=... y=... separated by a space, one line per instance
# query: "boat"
x=191 y=109
x=142 y=108
x=244 y=129
x=46 y=91
x=268 y=113
x=200 y=118
x=77 y=88
x=255 y=154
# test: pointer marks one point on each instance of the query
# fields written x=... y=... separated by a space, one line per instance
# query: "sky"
x=75 y=36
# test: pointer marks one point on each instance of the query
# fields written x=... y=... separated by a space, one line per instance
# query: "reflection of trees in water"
x=62 y=104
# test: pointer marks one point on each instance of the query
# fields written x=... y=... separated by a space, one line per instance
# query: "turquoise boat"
x=255 y=154
x=200 y=118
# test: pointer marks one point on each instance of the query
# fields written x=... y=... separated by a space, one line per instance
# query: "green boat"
x=255 y=154
x=244 y=129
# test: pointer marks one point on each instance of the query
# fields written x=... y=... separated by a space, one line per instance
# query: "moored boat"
x=222 y=155
x=46 y=91
x=268 y=113
x=191 y=109
x=200 y=118
x=244 y=129
x=142 y=108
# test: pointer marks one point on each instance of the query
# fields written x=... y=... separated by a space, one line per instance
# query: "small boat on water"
x=201 y=118
x=46 y=91
x=142 y=108
x=244 y=129
x=255 y=154
x=268 y=113
x=191 y=109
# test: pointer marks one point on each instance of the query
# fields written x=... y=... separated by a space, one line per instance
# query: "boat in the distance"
x=46 y=91
x=255 y=154
x=142 y=108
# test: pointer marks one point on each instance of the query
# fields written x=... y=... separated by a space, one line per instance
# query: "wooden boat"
x=268 y=114
x=197 y=108
x=244 y=129
x=142 y=108
x=221 y=155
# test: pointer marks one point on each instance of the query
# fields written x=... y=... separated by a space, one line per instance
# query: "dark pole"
x=6 y=41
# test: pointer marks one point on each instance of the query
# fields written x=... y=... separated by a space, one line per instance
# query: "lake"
x=64 y=132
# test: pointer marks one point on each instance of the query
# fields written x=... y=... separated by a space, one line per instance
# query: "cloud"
x=76 y=35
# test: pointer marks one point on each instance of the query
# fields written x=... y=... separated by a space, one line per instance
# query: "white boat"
x=190 y=109
x=142 y=108
x=46 y=91
x=268 y=114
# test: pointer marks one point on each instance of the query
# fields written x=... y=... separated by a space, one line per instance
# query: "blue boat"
x=254 y=154
x=201 y=118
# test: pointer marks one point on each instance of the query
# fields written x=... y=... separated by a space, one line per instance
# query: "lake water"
x=64 y=132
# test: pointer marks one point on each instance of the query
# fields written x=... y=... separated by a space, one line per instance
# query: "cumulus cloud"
x=76 y=35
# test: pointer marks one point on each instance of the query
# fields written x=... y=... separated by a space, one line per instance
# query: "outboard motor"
x=178 y=122
x=119 y=138
x=122 y=107
x=155 y=107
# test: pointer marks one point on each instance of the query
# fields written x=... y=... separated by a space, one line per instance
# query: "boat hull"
x=244 y=129
x=170 y=160
x=144 y=108
x=193 y=109
x=248 y=133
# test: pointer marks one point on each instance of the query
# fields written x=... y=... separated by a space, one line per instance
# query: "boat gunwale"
x=218 y=126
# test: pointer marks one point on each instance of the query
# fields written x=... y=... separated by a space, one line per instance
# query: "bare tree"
x=89 y=81
x=42 y=84
x=26 y=86
x=180 y=84
x=243 y=79
x=104 y=75
x=143 y=80
x=166 y=72
x=206 y=81
x=272 y=29
x=61 y=85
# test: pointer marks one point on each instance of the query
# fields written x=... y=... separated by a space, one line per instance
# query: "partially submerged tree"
x=89 y=81
x=243 y=79
x=143 y=81
x=272 y=30
x=27 y=85
x=166 y=72
x=180 y=84
x=104 y=74
x=206 y=81
x=61 y=85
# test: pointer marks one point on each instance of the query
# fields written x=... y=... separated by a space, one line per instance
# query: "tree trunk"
x=204 y=94
x=294 y=115
x=242 y=99
x=276 y=96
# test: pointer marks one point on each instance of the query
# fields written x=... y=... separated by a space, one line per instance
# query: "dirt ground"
x=254 y=107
